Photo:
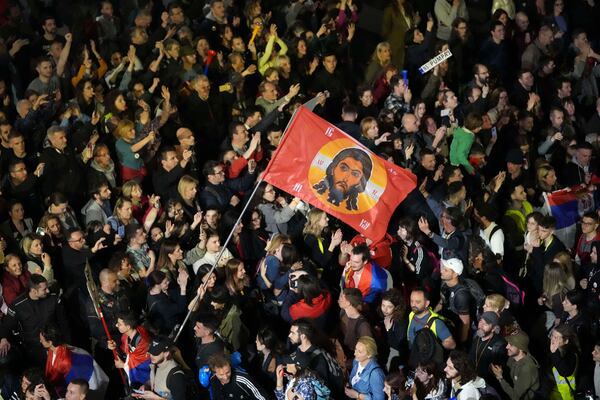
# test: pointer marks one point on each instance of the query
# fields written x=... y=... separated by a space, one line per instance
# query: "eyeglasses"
x=221 y=172
x=81 y=239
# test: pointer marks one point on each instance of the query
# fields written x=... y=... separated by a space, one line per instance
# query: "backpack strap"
x=493 y=232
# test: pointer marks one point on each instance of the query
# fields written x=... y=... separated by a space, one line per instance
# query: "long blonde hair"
x=555 y=280
x=128 y=188
x=566 y=262
x=378 y=49
x=275 y=242
x=185 y=183
x=497 y=302
x=119 y=205
x=312 y=227
x=542 y=171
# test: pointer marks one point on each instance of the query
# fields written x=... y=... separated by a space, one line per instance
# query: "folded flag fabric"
x=137 y=363
x=66 y=363
x=567 y=206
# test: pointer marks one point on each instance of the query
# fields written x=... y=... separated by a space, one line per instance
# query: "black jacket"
x=29 y=317
x=484 y=353
x=62 y=173
x=540 y=257
x=241 y=387
x=112 y=305
x=164 y=312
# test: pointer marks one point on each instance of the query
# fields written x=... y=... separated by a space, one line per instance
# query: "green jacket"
x=525 y=376
x=462 y=141
x=233 y=329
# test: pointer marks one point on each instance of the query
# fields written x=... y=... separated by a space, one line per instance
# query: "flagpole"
x=179 y=328
x=93 y=292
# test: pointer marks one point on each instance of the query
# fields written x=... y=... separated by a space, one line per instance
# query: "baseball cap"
x=297 y=358
x=159 y=345
x=454 y=264
x=490 y=317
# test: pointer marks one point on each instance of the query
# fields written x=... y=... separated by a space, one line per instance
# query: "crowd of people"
x=133 y=133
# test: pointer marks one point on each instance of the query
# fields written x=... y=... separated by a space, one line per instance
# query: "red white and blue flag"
x=567 y=206
x=68 y=363
x=373 y=281
x=137 y=363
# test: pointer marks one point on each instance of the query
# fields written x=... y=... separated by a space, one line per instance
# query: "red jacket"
x=381 y=252
x=12 y=286
x=320 y=305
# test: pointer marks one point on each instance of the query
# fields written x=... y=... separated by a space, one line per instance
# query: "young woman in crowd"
x=306 y=298
x=429 y=383
x=276 y=210
x=17 y=225
x=565 y=356
x=320 y=243
x=236 y=280
x=38 y=262
x=166 y=307
x=393 y=311
x=132 y=165
x=145 y=209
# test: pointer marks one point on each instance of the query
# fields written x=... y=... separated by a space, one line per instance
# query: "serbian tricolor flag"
x=373 y=281
x=567 y=206
x=327 y=168
x=137 y=363
x=67 y=363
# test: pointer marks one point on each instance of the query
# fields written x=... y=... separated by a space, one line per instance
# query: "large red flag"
x=327 y=168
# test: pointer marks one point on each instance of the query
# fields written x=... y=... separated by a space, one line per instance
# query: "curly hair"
x=463 y=365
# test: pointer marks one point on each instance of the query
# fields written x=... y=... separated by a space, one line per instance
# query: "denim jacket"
x=370 y=384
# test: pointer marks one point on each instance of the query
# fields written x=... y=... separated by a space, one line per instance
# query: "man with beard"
x=488 y=347
x=302 y=334
x=422 y=316
x=466 y=385
x=523 y=369
x=346 y=177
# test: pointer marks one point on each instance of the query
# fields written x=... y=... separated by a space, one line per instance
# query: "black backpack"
x=476 y=292
x=192 y=390
x=335 y=374
x=426 y=347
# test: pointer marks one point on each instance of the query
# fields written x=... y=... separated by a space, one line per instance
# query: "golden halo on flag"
x=346 y=178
